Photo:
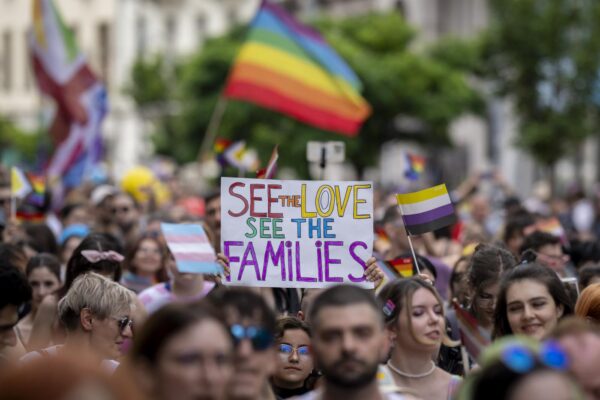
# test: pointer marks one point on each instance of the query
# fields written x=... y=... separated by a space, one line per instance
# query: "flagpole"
x=213 y=127
x=13 y=208
x=465 y=359
x=412 y=249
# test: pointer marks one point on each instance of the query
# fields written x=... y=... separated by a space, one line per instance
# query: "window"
x=104 y=49
x=7 y=61
x=140 y=32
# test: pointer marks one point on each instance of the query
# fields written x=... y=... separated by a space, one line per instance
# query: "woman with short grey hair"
x=96 y=313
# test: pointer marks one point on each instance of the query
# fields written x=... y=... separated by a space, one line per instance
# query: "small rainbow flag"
x=403 y=266
x=426 y=210
x=288 y=67
x=37 y=197
x=473 y=337
x=552 y=226
x=415 y=166
x=221 y=145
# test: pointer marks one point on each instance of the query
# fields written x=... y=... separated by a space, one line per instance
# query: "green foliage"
x=397 y=81
x=544 y=54
x=16 y=144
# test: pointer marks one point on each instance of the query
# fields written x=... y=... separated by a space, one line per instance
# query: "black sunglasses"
x=260 y=338
x=124 y=323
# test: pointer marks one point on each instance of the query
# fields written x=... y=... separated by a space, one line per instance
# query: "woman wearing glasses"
x=294 y=364
x=96 y=314
x=531 y=301
x=183 y=352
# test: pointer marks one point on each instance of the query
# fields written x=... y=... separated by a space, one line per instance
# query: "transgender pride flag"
x=191 y=248
x=427 y=210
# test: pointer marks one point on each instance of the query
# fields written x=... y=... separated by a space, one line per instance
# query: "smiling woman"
x=531 y=301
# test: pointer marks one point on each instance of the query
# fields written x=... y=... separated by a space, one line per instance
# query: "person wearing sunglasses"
x=294 y=363
x=96 y=315
x=183 y=352
x=531 y=301
x=518 y=368
x=15 y=295
x=252 y=325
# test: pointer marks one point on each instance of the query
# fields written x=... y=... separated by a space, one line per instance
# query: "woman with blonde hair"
x=588 y=304
x=414 y=315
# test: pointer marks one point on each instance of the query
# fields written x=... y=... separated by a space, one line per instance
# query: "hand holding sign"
x=296 y=233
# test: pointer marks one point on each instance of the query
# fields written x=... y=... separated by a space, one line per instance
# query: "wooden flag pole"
x=213 y=127
x=412 y=249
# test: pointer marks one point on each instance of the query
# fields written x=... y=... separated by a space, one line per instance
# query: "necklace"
x=414 y=376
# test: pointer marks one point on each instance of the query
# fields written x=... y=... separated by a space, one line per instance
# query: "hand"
x=224 y=262
x=426 y=278
x=373 y=273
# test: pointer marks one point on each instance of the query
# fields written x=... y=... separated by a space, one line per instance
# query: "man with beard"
x=252 y=325
x=348 y=343
x=212 y=216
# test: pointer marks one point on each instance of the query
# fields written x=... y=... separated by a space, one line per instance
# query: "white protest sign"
x=301 y=234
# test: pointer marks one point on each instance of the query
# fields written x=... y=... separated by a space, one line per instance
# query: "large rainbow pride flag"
x=288 y=67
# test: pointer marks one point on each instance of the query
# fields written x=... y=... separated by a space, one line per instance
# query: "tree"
x=545 y=56
x=398 y=82
x=17 y=145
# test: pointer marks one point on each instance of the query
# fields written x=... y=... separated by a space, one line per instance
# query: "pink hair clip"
x=94 y=256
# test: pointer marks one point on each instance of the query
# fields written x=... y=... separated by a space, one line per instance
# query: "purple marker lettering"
x=329 y=260
x=246 y=260
x=319 y=260
x=226 y=245
x=356 y=258
x=277 y=258
x=299 y=276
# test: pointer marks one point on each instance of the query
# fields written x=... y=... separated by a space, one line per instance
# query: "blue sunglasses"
x=521 y=359
x=260 y=338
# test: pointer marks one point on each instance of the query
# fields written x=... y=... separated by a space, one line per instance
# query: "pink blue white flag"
x=191 y=248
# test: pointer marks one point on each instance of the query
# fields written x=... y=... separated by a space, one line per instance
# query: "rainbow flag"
x=221 y=145
x=426 y=210
x=415 y=166
x=402 y=265
x=269 y=171
x=288 y=67
x=473 y=337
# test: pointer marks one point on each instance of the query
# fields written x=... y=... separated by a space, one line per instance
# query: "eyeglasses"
x=124 y=323
x=260 y=338
x=521 y=359
x=287 y=350
x=116 y=210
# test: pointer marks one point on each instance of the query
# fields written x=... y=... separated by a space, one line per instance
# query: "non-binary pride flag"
x=288 y=67
x=191 y=248
x=427 y=210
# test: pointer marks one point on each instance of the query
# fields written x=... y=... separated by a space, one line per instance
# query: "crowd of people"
x=92 y=305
